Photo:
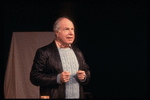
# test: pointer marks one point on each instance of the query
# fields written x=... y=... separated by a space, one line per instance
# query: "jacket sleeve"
x=38 y=76
x=85 y=67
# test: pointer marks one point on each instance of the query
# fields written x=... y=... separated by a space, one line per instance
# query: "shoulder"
x=46 y=48
x=77 y=50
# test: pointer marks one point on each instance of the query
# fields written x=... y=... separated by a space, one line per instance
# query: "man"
x=59 y=68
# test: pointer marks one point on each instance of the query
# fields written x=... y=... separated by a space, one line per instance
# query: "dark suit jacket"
x=47 y=65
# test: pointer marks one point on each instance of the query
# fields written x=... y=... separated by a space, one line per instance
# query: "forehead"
x=66 y=23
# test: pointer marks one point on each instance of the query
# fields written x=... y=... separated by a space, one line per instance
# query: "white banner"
x=17 y=83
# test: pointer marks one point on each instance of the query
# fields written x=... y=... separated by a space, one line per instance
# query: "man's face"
x=66 y=32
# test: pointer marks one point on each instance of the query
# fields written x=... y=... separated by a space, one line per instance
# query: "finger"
x=66 y=80
x=81 y=78
x=67 y=77
x=67 y=73
x=80 y=72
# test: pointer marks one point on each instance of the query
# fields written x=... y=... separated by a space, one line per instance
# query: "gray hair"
x=56 y=25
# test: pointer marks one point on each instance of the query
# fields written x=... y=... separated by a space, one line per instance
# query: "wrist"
x=58 y=79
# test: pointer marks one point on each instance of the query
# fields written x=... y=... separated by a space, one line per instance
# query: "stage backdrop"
x=22 y=51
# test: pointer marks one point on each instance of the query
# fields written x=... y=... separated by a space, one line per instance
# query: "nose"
x=71 y=32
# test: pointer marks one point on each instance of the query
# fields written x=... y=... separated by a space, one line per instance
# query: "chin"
x=69 y=42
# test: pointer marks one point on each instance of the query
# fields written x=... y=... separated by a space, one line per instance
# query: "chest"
x=69 y=60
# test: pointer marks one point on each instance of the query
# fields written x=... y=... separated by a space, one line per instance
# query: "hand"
x=81 y=75
x=64 y=76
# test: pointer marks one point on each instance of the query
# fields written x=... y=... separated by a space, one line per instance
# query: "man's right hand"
x=64 y=76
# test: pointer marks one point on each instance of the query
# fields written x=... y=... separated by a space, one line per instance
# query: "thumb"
x=67 y=73
x=79 y=71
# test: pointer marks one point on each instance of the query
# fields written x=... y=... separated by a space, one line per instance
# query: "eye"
x=66 y=28
x=72 y=28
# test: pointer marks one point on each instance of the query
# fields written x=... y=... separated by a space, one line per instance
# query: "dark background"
x=112 y=37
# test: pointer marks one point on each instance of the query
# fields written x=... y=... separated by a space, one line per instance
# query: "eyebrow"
x=68 y=28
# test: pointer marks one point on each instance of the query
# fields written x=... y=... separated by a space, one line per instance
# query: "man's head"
x=64 y=30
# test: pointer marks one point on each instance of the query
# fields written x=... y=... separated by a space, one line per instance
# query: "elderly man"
x=59 y=68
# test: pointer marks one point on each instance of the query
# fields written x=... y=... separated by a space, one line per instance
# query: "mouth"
x=69 y=37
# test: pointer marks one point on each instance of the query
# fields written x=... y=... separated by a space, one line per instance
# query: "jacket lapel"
x=55 y=57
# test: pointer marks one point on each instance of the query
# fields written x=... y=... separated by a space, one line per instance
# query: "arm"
x=85 y=68
x=38 y=75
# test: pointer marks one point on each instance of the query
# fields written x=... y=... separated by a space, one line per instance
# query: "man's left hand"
x=81 y=75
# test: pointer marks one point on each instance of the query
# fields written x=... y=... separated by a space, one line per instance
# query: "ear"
x=56 y=33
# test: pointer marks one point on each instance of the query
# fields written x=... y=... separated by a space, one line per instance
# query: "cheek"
x=63 y=37
x=74 y=35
